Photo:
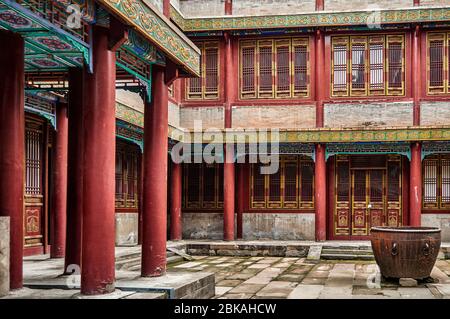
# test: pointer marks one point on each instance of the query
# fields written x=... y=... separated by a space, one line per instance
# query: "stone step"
x=128 y=256
x=347 y=251
x=346 y=257
x=137 y=266
x=348 y=247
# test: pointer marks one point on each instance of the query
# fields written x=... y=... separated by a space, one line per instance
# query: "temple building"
x=95 y=96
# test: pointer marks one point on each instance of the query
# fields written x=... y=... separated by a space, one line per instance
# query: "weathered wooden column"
x=99 y=92
x=320 y=163
x=415 y=185
x=228 y=7
x=74 y=171
x=59 y=199
x=228 y=166
x=320 y=186
x=12 y=136
x=320 y=78
x=416 y=80
x=176 y=228
x=240 y=200
x=319 y=5
x=155 y=161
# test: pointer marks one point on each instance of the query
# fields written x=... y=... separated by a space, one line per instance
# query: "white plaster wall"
x=438 y=220
x=284 y=226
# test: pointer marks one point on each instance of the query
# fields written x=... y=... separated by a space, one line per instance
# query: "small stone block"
x=408 y=282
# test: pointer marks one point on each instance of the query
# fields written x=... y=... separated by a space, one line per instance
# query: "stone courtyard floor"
x=269 y=277
x=293 y=278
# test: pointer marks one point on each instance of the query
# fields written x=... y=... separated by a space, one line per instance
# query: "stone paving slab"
x=304 y=291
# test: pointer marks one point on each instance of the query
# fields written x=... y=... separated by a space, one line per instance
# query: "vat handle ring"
x=426 y=249
x=394 y=250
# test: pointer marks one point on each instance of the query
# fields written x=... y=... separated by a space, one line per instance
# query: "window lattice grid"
x=368 y=65
x=340 y=68
x=437 y=63
x=292 y=187
x=265 y=74
x=395 y=70
x=274 y=68
x=300 y=68
x=376 y=66
x=207 y=85
x=203 y=186
x=436 y=182
x=127 y=175
x=248 y=84
x=33 y=161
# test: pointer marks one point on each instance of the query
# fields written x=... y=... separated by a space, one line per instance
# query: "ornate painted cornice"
x=315 y=19
x=159 y=30
x=398 y=134
x=129 y=115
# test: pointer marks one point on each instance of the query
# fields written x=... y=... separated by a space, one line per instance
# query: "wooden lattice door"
x=368 y=193
x=35 y=224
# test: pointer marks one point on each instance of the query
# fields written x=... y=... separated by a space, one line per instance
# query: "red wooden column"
x=166 y=8
x=154 y=208
x=240 y=199
x=319 y=5
x=59 y=204
x=175 y=203
x=416 y=88
x=228 y=196
x=74 y=171
x=99 y=93
x=228 y=166
x=416 y=3
x=12 y=136
x=228 y=7
x=415 y=185
x=320 y=195
x=320 y=77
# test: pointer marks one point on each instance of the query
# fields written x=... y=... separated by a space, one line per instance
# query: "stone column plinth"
x=4 y=256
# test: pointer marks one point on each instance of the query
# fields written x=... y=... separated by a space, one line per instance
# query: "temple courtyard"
x=240 y=277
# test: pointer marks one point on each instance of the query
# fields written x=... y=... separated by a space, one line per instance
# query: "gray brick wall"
x=158 y=4
x=269 y=7
x=368 y=114
x=339 y=5
x=434 y=3
x=202 y=8
x=278 y=116
x=211 y=117
x=435 y=113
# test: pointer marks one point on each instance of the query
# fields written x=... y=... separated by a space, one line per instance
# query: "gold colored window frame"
x=267 y=203
x=204 y=94
x=275 y=44
x=445 y=38
x=348 y=41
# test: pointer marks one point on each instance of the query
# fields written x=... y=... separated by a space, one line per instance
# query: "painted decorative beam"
x=314 y=19
x=325 y=135
x=159 y=30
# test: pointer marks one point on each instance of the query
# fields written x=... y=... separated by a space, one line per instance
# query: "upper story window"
x=274 y=68
x=368 y=65
x=437 y=63
x=206 y=87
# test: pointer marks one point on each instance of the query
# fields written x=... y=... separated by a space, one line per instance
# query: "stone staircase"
x=132 y=261
x=347 y=252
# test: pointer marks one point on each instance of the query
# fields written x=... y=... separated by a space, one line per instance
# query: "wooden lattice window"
x=203 y=186
x=438 y=63
x=33 y=158
x=292 y=187
x=436 y=182
x=274 y=68
x=127 y=175
x=368 y=65
x=207 y=85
